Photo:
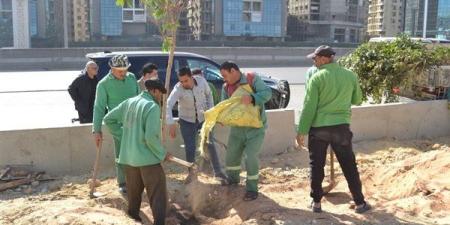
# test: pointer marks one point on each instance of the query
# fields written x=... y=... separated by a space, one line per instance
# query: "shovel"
x=180 y=161
x=93 y=193
x=332 y=182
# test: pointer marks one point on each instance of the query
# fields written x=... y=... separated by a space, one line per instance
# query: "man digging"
x=137 y=121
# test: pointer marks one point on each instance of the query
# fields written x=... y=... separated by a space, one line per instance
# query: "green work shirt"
x=329 y=96
x=110 y=93
x=137 y=121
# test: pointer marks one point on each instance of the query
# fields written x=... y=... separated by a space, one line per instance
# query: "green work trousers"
x=244 y=141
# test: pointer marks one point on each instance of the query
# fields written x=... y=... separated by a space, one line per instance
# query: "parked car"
x=280 y=88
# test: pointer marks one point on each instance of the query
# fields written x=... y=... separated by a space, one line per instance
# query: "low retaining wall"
x=71 y=150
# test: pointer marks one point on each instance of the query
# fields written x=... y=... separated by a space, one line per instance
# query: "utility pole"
x=66 y=36
x=425 y=15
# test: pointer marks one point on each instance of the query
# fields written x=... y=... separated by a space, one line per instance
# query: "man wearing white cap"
x=117 y=86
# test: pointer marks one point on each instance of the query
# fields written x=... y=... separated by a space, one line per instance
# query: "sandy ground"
x=407 y=182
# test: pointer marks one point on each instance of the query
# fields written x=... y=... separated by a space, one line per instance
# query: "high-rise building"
x=438 y=18
x=250 y=19
x=80 y=20
x=385 y=18
x=200 y=19
x=414 y=14
x=330 y=20
x=443 y=20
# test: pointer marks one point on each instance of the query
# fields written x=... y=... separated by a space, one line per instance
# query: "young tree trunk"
x=167 y=84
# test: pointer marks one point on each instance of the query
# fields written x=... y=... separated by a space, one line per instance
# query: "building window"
x=353 y=38
x=252 y=11
x=6 y=26
x=133 y=11
x=339 y=34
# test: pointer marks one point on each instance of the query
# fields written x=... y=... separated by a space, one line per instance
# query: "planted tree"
x=166 y=15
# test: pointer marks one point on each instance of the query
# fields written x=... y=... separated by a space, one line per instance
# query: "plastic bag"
x=231 y=112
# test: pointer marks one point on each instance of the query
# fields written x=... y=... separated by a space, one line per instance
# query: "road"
x=39 y=99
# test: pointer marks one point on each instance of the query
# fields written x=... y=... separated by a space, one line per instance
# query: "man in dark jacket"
x=82 y=91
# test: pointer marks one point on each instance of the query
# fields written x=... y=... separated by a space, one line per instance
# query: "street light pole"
x=425 y=15
x=66 y=36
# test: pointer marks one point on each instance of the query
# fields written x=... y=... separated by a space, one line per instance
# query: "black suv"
x=280 y=88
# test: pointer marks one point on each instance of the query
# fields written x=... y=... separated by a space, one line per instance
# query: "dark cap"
x=155 y=84
x=323 y=50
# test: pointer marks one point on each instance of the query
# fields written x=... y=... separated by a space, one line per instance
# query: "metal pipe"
x=425 y=15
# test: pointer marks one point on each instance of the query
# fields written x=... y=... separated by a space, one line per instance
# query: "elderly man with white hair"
x=82 y=90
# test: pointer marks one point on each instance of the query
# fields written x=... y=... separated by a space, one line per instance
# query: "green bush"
x=385 y=67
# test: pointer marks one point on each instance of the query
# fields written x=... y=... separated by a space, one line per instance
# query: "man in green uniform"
x=245 y=140
x=326 y=119
x=117 y=86
x=138 y=122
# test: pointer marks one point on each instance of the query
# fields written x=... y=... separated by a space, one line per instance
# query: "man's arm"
x=152 y=132
x=309 y=107
x=73 y=90
x=263 y=93
x=357 y=93
x=171 y=100
x=113 y=120
x=99 y=108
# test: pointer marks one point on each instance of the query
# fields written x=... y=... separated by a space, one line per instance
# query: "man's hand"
x=246 y=100
x=98 y=138
x=173 y=130
x=300 y=141
x=168 y=156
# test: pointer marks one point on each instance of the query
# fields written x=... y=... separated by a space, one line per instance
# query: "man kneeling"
x=137 y=122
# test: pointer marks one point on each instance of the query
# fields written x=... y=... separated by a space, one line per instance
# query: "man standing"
x=117 y=86
x=194 y=97
x=137 y=120
x=149 y=71
x=326 y=118
x=245 y=140
x=82 y=91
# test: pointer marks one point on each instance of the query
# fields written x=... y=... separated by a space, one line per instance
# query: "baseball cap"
x=323 y=50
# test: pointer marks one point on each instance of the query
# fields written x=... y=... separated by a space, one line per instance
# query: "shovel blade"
x=96 y=194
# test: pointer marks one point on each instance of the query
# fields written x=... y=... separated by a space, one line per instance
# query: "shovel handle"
x=331 y=164
x=94 y=174
x=180 y=161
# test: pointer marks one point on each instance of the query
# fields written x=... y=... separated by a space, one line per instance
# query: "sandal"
x=250 y=196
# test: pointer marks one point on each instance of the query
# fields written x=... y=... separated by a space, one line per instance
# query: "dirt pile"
x=405 y=181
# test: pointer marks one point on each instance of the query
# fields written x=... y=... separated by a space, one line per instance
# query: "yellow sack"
x=231 y=112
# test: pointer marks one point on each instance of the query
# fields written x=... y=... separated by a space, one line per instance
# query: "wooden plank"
x=16 y=183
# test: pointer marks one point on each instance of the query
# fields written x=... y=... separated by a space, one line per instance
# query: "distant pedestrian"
x=82 y=90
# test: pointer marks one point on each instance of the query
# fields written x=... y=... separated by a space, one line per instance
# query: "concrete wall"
x=413 y=120
x=74 y=58
x=70 y=150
